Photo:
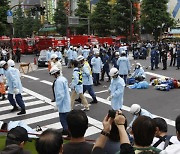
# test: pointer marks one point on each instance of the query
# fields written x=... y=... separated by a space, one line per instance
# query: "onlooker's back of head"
x=77 y=123
x=49 y=142
x=143 y=130
x=161 y=124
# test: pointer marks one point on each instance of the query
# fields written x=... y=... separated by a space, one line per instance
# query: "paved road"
x=38 y=93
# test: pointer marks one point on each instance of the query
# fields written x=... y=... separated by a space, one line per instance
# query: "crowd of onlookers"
x=147 y=136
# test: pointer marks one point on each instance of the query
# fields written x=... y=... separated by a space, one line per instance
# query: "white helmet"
x=79 y=58
x=50 y=47
x=135 y=108
x=2 y=63
x=11 y=63
x=123 y=52
x=53 y=56
x=96 y=50
x=114 y=71
x=138 y=64
x=116 y=53
x=1 y=123
x=53 y=70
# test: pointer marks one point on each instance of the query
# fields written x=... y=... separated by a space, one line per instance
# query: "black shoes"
x=23 y=111
x=3 y=97
x=15 y=108
x=53 y=100
x=94 y=102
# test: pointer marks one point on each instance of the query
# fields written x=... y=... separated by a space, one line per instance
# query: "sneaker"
x=38 y=128
x=85 y=109
x=15 y=108
x=22 y=112
x=93 y=102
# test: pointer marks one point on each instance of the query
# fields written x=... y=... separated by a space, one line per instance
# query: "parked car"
x=42 y=60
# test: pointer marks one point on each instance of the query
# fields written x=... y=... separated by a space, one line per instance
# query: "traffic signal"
x=42 y=10
x=33 y=11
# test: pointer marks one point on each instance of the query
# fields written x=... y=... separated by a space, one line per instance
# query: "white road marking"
x=9 y=107
x=24 y=98
x=28 y=112
x=156 y=75
x=30 y=77
x=101 y=91
x=47 y=82
x=42 y=69
x=91 y=131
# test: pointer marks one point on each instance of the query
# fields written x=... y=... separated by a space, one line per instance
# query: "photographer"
x=119 y=121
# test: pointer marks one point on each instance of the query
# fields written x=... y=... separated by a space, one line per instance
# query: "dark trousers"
x=96 y=78
x=124 y=77
x=90 y=90
x=19 y=100
x=173 y=60
x=103 y=72
x=63 y=120
x=53 y=89
x=164 y=61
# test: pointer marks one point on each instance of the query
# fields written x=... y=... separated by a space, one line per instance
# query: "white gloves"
x=109 y=98
x=55 y=108
x=16 y=91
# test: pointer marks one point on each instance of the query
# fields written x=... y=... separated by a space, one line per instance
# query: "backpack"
x=166 y=139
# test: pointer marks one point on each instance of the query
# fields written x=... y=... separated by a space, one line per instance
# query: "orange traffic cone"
x=35 y=62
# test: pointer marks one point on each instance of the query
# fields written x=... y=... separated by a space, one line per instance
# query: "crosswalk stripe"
x=91 y=131
x=9 y=107
x=28 y=112
x=41 y=118
x=24 y=98
x=30 y=77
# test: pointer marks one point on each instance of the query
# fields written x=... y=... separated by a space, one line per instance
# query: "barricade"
x=25 y=67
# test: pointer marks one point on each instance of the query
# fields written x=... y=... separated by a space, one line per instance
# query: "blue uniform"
x=117 y=92
x=139 y=72
x=59 y=54
x=62 y=98
x=85 y=53
x=153 y=58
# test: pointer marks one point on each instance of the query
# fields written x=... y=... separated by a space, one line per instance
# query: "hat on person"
x=54 y=56
x=80 y=57
x=2 y=63
x=11 y=63
x=135 y=108
x=113 y=72
x=19 y=134
x=54 y=70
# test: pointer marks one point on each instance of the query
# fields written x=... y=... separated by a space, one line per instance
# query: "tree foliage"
x=101 y=18
x=83 y=12
x=60 y=18
x=24 y=26
x=3 y=17
x=155 y=17
x=121 y=17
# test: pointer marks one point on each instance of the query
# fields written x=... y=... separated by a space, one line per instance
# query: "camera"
x=112 y=113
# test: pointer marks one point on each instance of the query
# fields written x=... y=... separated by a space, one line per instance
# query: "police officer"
x=164 y=57
x=106 y=69
x=153 y=57
x=178 y=57
x=62 y=97
x=87 y=78
x=14 y=86
x=116 y=89
x=114 y=60
x=77 y=87
x=124 y=66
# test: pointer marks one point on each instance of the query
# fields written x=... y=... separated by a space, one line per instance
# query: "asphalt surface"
x=160 y=103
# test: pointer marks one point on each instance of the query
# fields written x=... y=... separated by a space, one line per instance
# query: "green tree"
x=121 y=17
x=18 y=19
x=155 y=17
x=3 y=17
x=100 y=18
x=82 y=12
x=60 y=18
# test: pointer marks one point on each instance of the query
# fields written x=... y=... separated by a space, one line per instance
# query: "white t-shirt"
x=173 y=140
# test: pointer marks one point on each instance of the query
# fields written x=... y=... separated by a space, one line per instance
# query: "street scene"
x=94 y=76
